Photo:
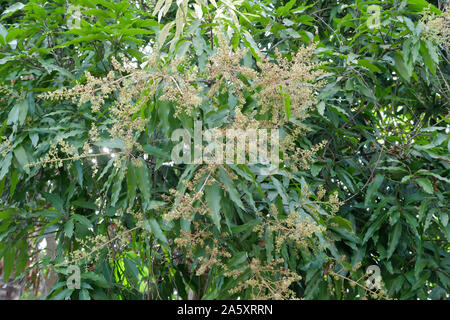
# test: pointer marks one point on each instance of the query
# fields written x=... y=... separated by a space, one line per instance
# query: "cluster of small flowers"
x=5 y=145
x=184 y=205
x=94 y=134
x=6 y=92
x=138 y=216
x=216 y=254
x=273 y=210
x=130 y=88
x=52 y=158
x=295 y=80
x=91 y=248
x=334 y=203
x=200 y=238
x=205 y=173
x=269 y=281
x=95 y=91
x=179 y=89
x=190 y=203
x=297 y=157
x=296 y=228
x=320 y=193
x=243 y=121
x=437 y=28
x=187 y=205
x=191 y=240
x=250 y=149
x=225 y=70
x=290 y=140
x=374 y=293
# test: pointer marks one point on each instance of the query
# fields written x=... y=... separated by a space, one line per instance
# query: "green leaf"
x=420 y=5
x=238 y=259
x=68 y=228
x=117 y=186
x=231 y=189
x=213 y=196
x=315 y=169
x=15 y=7
x=444 y=218
x=84 y=204
x=406 y=178
x=250 y=42
x=99 y=279
x=155 y=151
x=143 y=182
x=13 y=115
x=51 y=67
x=268 y=238
x=21 y=256
x=429 y=55
x=5 y=164
x=8 y=262
x=280 y=189
x=14 y=181
x=369 y=65
x=162 y=36
x=22 y=158
x=55 y=200
x=84 y=295
x=199 y=45
x=342 y=223
x=86 y=39
x=153 y=227
x=245 y=227
x=78 y=172
x=321 y=108
x=131 y=270
x=394 y=238
x=405 y=71
x=281 y=11
x=131 y=184
x=83 y=220
x=374 y=226
x=3 y=33
x=372 y=189
x=425 y=184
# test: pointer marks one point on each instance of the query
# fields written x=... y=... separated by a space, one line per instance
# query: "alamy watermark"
x=374 y=20
x=374 y=280
x=74 y=17
x=74 y=279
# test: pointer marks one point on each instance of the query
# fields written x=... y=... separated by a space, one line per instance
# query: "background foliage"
x=383 y=113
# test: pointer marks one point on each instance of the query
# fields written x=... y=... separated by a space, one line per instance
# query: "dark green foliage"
x=383 y=112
